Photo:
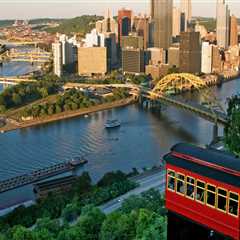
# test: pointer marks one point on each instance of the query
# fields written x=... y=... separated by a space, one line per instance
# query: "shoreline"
x=11 y=126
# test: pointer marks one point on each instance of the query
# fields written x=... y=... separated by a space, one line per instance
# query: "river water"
x=143 y=138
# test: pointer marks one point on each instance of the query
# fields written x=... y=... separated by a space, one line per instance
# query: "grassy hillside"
x=209 y=23
x=6 y=23
x=80 y=25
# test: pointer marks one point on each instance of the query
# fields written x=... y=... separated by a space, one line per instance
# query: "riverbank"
x=13 y=125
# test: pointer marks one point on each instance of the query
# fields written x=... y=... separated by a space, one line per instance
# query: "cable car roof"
x=211 y=163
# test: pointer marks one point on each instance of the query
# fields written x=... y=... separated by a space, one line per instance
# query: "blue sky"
x=12 y=9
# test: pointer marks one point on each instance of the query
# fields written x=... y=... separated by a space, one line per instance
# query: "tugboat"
x=77 y=161
x=112 y=123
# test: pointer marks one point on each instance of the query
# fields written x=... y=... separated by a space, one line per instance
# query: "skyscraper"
x=190 y=52
x=233 y=31
x=223 y=16
x=186 y=8
x=57 y=58
x=176 y=26
x=161 y=12
x=124 y=23
x=141 y=27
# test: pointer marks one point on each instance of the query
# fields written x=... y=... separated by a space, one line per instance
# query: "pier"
x=35 y=176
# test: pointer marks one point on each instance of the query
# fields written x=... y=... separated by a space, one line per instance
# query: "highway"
x=156 y=181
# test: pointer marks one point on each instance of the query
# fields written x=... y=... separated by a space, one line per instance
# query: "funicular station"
x=202 y=194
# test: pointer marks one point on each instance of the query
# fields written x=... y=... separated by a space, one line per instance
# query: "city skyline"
x=73 y=8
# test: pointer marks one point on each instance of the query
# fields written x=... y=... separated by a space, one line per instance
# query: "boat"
x=112 y=123
x=77 y=161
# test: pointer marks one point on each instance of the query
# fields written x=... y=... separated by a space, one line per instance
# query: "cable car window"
x=200 y=192
x=233 y=205
x=222 y=200
x=190 y=187
x=180 y=183
x=211 y=195
x=171 y=180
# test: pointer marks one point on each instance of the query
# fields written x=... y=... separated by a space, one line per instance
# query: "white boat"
x=112 y=123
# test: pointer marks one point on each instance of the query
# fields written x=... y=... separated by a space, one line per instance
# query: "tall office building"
x=176 y=25
x=124 y=23
x=141 y=27
x=133 y=61
x=207 y=52
x=57 y=58
x=190 y=52
x=108 y=24
x=223 y=16
x=92 y=61
x=233 y=31
x=186 y=8
x=161 y=12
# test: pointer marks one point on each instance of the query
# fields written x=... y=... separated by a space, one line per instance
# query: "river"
x=143 y=138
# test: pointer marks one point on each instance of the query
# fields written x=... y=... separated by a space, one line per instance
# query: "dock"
x=35 y=176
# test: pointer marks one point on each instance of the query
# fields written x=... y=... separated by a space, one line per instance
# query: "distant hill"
x=209 y=23
x=80 y=25
x=45 y=20
x=6 y=23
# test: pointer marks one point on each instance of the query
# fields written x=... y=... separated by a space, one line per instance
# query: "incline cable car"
x=202 y=193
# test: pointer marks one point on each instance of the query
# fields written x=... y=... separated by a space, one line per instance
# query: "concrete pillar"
x=215 y=133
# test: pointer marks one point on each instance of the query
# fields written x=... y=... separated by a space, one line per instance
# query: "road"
x=156 y=180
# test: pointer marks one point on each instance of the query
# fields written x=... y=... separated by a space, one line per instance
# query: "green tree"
x=90 y=223
x=58 y=109
x=52 y=226
x=69 y=234
x=118 y=226
x=42 y=234
x=112 y=177
x=150 y=226
x=232 y=130
x=71 y=212
x=16 y=99
x=83 y=184
x=21 y=233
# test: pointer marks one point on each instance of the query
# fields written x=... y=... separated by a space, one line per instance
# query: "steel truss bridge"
x=180 y=82
x=14 y=80
x=35 y=55
x=175 y=83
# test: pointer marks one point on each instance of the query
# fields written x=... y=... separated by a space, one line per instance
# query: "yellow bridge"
x=15 y=80
x=35 y=55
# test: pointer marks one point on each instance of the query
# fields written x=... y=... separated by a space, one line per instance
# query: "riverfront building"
x=92 y=61
x=161 y=13
x=57 y=58
x=133 y=61
x=190 y=52
x=206 y=66
x=173 y=56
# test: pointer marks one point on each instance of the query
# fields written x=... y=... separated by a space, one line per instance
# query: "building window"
x=211 y=195
x=190 y=187
x=222 y=199
x=171 y=180
x=233 y=204
x=180 y=184
x=200 y=191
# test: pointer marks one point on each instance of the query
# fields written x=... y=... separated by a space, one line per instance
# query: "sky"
x=26 y=9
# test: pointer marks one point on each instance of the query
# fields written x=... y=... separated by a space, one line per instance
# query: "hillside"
x=209 y=23
x=80 y=25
